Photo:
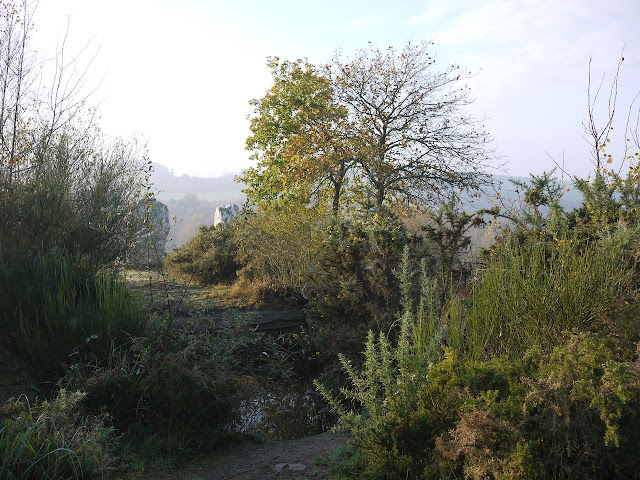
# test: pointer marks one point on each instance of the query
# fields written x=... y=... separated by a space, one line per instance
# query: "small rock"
x=297 y=467
x=279 y=467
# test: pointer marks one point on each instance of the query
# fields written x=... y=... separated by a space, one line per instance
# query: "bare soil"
x=291 y=459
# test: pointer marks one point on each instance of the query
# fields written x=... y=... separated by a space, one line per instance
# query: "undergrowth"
x=436 y=399
x=54 y=440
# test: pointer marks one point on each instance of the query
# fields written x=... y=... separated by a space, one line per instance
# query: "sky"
x=179 y=74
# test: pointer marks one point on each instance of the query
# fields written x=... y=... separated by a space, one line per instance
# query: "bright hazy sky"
x=180 y=73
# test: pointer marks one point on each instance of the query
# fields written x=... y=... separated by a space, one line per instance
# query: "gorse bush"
x=572 y=413
x=58 y=311
x=583 y=407
x=53 y=441
x=446 y=235
x=397 y=414
x=354 y=287
x=209 y=256
x=608 y=198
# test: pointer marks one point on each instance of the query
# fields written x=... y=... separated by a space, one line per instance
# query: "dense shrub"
x=442 y=403
x=393 y=415
x=392 y=408
x=279 y=246
x=355 y=287
x=573 y=413
x=446 y=237
x=77 y=195
x=583 y=407
x=210 y=255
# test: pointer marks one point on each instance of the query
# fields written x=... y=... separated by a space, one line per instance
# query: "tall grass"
x=49 y=442
x=529 y=295
x=53 y=307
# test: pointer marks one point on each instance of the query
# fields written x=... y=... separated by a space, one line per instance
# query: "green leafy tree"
x=299 y=138
x=384 y=124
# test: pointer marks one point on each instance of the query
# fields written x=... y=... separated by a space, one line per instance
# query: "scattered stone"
x=297 y=467
x=279 y=467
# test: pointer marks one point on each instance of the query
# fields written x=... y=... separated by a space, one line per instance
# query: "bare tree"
x=16 y=79
x=29 y=102
x=67 y=93
x=414 y=139
x=598 y=134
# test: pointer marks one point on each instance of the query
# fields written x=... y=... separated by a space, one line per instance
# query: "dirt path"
x=291 y=459
x=282 y=460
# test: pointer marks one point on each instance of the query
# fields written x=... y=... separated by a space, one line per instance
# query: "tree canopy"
x=385 y=125
x=298 y=137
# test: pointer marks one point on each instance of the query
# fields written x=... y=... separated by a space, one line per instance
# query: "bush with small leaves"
x=209 y=256
x=355 y=285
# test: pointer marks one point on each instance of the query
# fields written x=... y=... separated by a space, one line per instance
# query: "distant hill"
x=192 y=201
x=225 y=189
x=215 y=189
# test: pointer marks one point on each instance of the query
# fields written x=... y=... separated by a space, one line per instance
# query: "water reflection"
x=284 y=412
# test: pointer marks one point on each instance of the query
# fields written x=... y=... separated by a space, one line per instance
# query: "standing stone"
x=152 y=229
x=225 y=213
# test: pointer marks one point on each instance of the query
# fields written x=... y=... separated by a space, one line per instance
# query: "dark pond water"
x=284 y=411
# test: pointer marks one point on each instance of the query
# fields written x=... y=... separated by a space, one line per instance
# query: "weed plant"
x=53 y=441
